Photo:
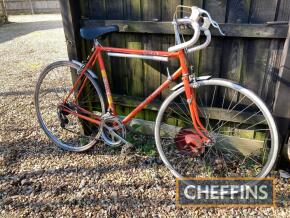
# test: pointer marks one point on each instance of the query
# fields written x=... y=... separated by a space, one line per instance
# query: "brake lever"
x=214 y=23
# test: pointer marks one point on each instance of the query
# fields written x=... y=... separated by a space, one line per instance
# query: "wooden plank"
x=262 y=11
x=237 y=142
x=238 y=11
x=135 y=69
x=231 y=30
x=210 y=60
x=172 y=65
x=133 y=10
x=255 y=63
x=168 y=9
x=272 y=69
x=135 y=74
x=245 y=146
x=215 y=113
x=198 y=3
x=233 y=59
x=283 y=12
x=233 y=51
x=85 y=9
x=256 y=54
x=274 y=56
x=115 y=10
x=281 y=106
x=151 y=11
x=216 y=9
x=97 y=9
x=210 y=57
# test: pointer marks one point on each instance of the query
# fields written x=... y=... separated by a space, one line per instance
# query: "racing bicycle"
x=206 y=127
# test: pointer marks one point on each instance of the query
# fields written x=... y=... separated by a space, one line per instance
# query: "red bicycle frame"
x=124 y=52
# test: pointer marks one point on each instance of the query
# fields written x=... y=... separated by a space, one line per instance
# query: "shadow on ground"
x=21 y=29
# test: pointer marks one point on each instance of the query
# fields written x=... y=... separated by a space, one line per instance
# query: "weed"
x=144 y=145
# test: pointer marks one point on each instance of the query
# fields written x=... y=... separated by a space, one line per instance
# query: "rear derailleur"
x=62 y=115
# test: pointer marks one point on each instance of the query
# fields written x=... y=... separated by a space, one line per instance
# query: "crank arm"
x=121 y=139
x=111 y=131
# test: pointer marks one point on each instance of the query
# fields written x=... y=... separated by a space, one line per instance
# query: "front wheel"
x=242 y=132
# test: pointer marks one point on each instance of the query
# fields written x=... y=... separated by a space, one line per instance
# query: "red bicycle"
x=205 y=127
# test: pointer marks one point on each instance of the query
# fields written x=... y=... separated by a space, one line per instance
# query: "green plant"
x=144 y=145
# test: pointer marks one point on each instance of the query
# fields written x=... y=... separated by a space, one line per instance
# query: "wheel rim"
x=52 y=88
x=175 y=169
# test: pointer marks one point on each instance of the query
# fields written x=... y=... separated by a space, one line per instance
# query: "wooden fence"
x=254 y=52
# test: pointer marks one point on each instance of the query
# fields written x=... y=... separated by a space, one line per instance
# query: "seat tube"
x=190 y=95
x=106 y=82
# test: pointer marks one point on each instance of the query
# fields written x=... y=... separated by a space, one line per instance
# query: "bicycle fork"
x=191 y=101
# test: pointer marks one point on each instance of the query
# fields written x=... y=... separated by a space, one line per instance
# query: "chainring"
x=112 y=130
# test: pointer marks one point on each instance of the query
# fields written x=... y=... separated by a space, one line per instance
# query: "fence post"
x=281 y=108
x=4 y=11
x=282 y=104
x=71 y=18
x=31 y=7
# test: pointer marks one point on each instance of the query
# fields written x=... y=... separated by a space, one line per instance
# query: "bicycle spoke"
x=235 y=117
x=236 y=126
x=55 y=86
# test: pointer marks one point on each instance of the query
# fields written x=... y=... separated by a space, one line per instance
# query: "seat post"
x=96 y=42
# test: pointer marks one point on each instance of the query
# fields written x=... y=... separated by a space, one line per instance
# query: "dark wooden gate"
x=254 y=52
x=3 y=13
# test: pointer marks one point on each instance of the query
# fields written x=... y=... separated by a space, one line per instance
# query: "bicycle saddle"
x=94 y=32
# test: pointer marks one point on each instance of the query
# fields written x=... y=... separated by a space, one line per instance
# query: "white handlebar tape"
x=205 y=44
x=194 y=13
x=190 y=42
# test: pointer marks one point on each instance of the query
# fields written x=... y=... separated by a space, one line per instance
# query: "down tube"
x=152 y=96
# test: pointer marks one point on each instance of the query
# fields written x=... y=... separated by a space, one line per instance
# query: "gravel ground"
x=39 y=180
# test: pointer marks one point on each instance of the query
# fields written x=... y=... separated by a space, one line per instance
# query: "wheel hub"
x=190 y=142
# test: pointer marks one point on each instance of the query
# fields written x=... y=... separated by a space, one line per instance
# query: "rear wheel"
x=65 y=129
x=244 y=138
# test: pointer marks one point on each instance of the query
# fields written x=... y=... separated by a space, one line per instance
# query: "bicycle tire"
x=231 y=85
x=41 y=121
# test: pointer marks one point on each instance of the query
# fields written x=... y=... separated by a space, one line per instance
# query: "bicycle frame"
x=145 y=54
